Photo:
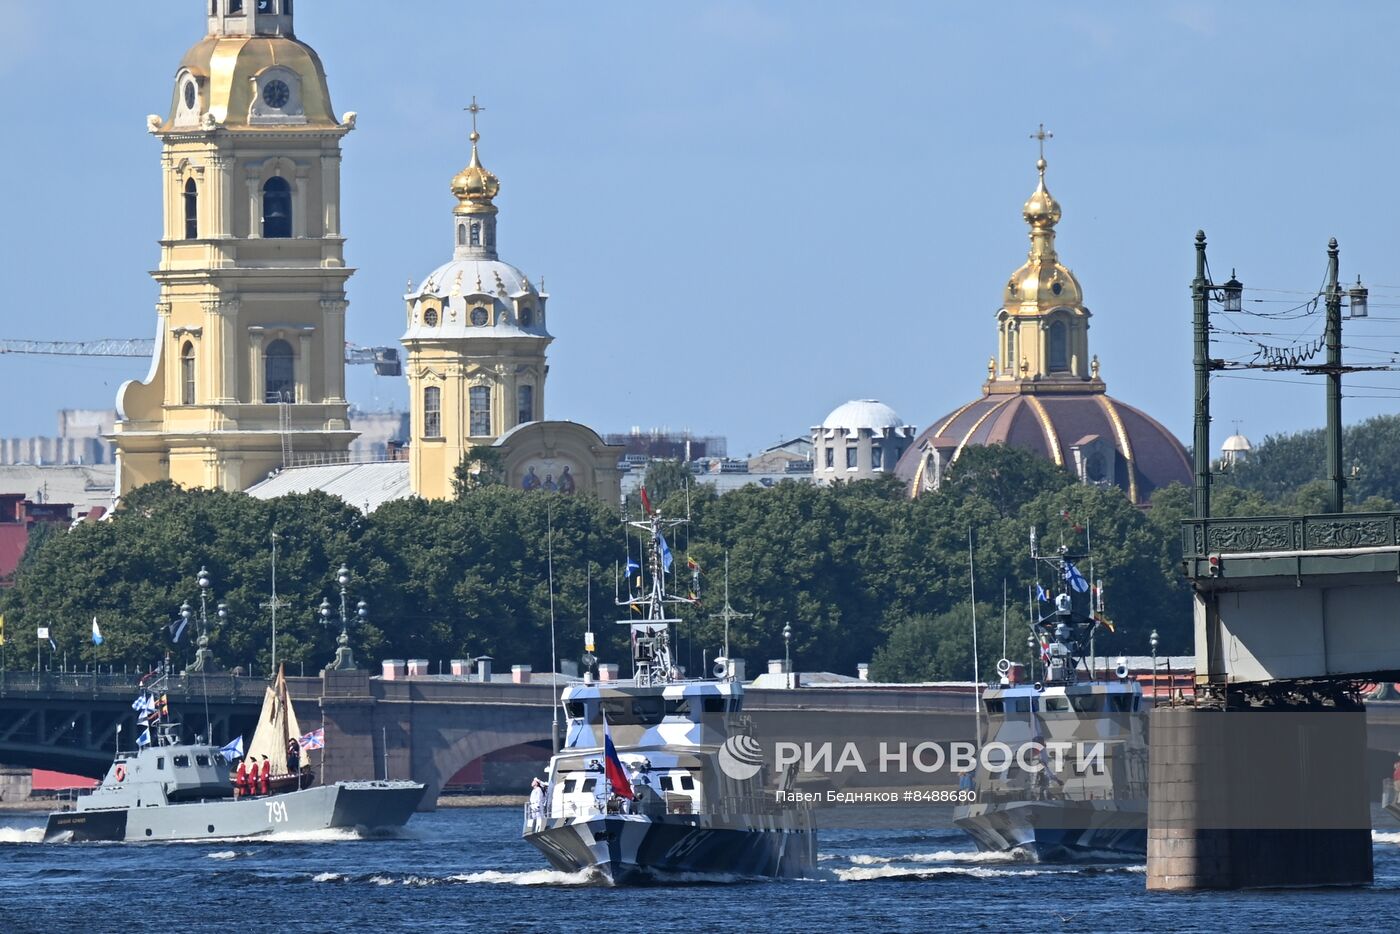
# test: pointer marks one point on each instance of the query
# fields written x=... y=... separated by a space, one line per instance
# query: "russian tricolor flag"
x=612 y=765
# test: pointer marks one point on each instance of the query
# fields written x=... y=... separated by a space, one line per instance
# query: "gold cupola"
x=1042 y=283
x=475 y=186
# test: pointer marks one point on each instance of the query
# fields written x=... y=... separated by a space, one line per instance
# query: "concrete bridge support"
x=1258 y=797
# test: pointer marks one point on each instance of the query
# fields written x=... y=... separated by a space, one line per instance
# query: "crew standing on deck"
x=294 y=758
x=266 y=775
x=240 y=780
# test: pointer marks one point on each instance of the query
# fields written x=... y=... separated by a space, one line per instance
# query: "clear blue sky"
x=747 y=213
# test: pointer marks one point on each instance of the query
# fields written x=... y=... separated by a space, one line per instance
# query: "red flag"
x=612 y=765
x=646 y=501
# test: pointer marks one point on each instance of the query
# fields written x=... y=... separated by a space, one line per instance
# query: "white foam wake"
x=1384 y=837
x=894 y=871
x=21 y=834
x=942 y=856
x=532 y=877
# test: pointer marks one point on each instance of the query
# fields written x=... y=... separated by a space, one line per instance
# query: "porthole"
x=430 y=317
x=148 y=831
x=211 y=828
x=1057 y=288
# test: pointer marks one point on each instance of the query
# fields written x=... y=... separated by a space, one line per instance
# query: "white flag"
x=96 y=633
x=43 y=632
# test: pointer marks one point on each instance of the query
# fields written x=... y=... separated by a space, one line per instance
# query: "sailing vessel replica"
x=172 y=790
x=1085 y=799
x=656 y=776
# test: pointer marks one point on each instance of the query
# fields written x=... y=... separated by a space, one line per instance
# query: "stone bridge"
x=429 y=728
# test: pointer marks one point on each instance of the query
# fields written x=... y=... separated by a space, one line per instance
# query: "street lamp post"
x=787 y=652
x=203 y=657
x=344 y=657
x=1152 y=640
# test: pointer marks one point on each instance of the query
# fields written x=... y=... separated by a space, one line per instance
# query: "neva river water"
x=468 y=870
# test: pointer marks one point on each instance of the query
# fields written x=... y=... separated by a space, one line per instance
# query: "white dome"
x=863 y=413
x=466 y=283
x=1237 y=443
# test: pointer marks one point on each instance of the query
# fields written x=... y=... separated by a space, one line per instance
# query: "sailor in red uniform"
x=240 y=780
x=266 y=774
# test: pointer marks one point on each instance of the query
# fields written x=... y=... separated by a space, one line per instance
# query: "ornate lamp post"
x=1152 y=640
x=203 y=658
x=344 y=657
x=787 y=650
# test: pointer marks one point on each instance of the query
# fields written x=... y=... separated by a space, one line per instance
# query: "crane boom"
x=385 y=360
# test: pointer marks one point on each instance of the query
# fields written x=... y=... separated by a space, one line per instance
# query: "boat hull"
x=363 y=806
x=628 y=849
x=1058 y=831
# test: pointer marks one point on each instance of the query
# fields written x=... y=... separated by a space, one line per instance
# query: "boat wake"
x=536 y=877
x=942 y=856
x=1384 y=837
x=21 y=835
x=909 y=872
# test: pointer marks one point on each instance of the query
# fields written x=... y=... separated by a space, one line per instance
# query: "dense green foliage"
x=860 y=571
x=1290 y=470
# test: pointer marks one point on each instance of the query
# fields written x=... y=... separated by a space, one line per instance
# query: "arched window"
x=525 y=404
x=461 y=234
x=1059 y=347
x=277 y=208
x=279 y=379
x=187 y=374
x=432 y=412
x=191 y=210
x=1011 y=348
x=476 y=234
x=479 y=399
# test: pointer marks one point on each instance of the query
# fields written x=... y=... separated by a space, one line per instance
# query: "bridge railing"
x=222 y=685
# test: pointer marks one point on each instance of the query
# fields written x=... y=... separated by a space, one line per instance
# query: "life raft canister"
x=120 y=773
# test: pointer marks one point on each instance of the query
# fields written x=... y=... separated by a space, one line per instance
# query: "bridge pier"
x=347 y=715
x=1257 y=797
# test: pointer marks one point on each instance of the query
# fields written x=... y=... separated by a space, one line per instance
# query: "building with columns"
x=1044 y=391
x=248 y=373
x=476 y=335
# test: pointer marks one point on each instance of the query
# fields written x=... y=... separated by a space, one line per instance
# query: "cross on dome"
x=474 y=109
x=1041 y=135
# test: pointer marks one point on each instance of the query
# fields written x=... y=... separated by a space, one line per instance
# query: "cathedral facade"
x=1044 y=390
x=248 y=373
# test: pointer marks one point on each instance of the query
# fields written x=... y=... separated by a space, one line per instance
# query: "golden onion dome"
x=474 y=185
x=1041 y=210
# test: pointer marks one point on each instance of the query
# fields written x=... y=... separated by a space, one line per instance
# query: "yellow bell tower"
x=476 y=341
x=248 y=373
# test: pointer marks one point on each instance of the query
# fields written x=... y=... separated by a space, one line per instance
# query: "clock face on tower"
x=189 y=95
x=479 y=317
x=276 y=93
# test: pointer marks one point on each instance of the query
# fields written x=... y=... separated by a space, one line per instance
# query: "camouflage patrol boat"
x=684 y=790
x=172 y=790
x=1084 y=738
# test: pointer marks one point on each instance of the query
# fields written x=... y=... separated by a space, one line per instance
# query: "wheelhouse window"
x=187 y=374
x=279 y=379
x=277 y=208
x=1059 y=347
x=191 y=209
x=525 y=404
x=432 y=412
x=479 y=401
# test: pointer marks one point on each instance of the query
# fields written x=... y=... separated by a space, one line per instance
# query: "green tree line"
x=859 y=571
